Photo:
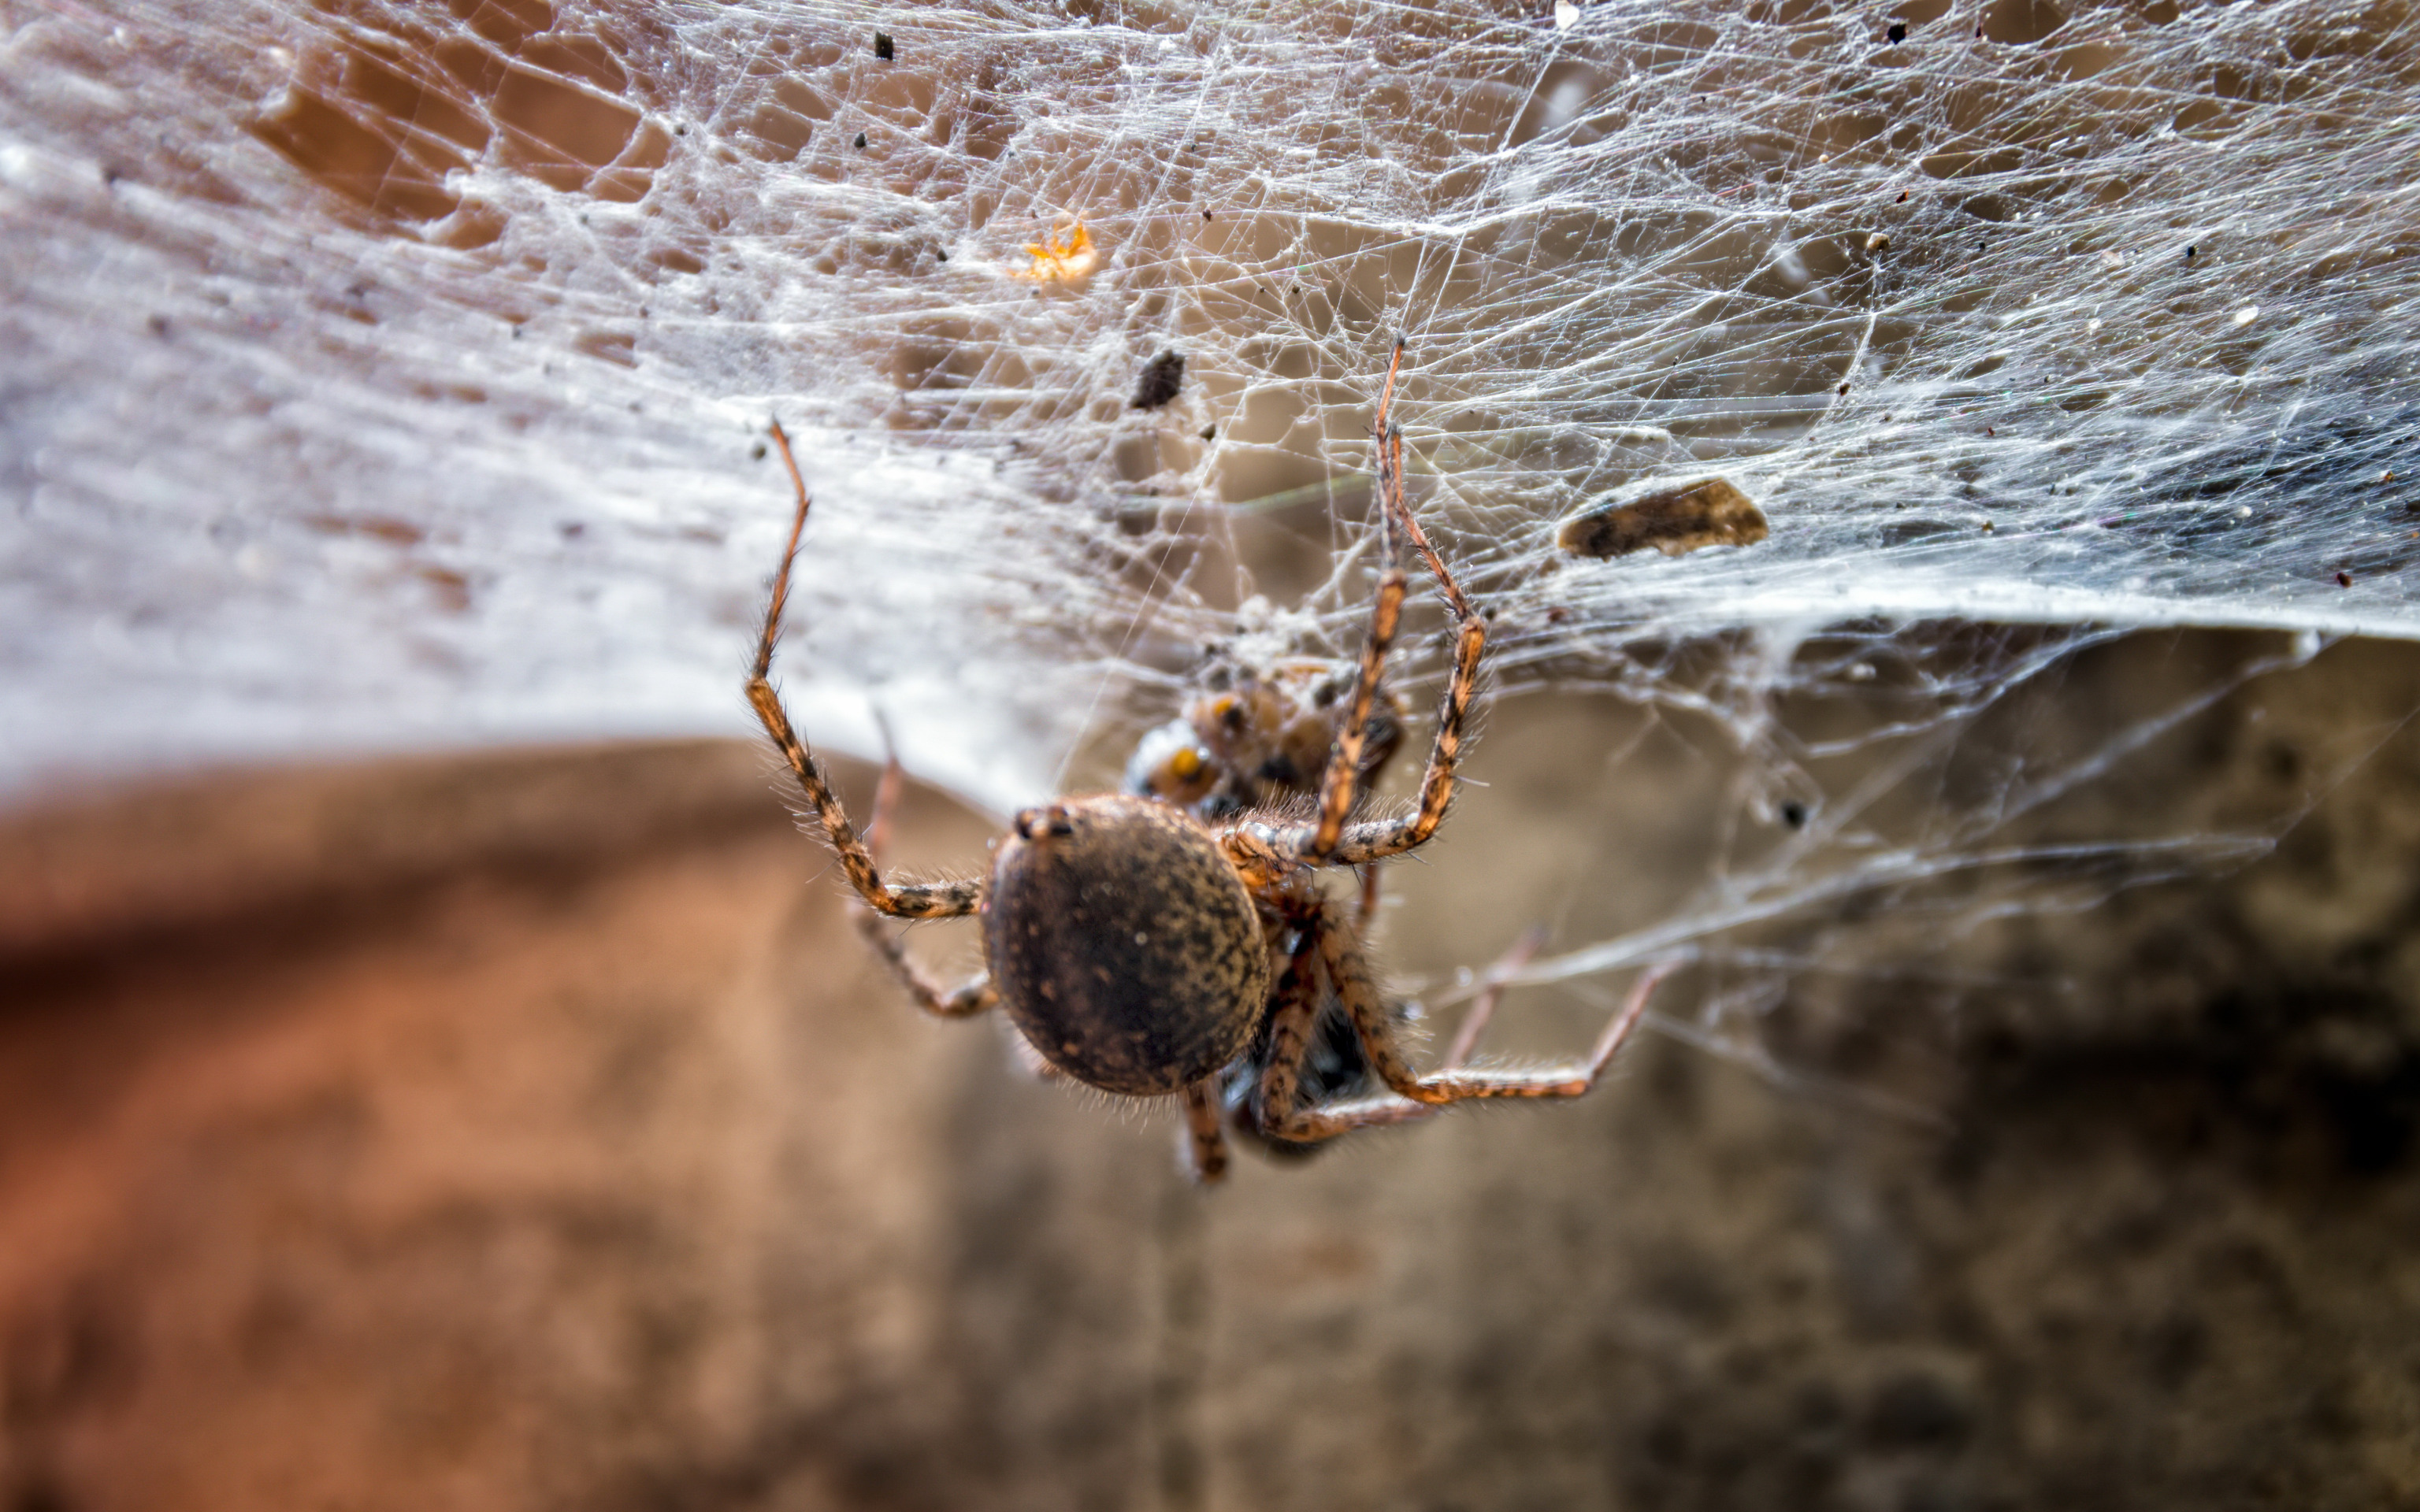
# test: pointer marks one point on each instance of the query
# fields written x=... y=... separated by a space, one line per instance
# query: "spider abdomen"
x=1123 y=945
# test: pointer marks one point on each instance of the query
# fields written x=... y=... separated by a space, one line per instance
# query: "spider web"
x=389 y=375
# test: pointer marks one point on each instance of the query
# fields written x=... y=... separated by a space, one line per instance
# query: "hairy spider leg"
x=1337 y=785
x=1368 y=910
x=914 y=899
x=1416 y=1096
x=1293 y=1019
x=1206 y=1144
x=1378 y=838
x=963 y=1001
x=968 y=998
x=1466 y=1033
x=1334 y=840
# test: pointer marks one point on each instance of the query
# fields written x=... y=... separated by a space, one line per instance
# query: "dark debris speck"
x=1161 y=378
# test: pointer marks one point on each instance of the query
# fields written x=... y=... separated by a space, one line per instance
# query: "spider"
x=1149 y=951
x=1257 y=739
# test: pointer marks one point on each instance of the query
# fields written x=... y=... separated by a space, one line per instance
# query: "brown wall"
x=529 y=1131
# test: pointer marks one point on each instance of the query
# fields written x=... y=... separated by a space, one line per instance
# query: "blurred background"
x=437 y=1072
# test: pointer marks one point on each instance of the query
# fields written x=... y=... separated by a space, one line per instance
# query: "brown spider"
x=1149 y=951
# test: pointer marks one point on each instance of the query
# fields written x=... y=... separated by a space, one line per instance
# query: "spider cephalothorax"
x=1174 y=941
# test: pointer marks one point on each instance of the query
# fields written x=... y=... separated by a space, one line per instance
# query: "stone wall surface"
x=530 y=1130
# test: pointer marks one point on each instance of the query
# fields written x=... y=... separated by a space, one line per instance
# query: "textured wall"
x=531 y=1132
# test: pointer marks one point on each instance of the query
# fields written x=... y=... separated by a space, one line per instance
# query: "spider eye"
x=1186 y=764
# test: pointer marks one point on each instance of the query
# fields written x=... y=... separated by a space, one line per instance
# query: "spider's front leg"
x=1338 y=783
x=1333 y=840
x=1415 y=1096
x=1360 y=844
x=926 y=899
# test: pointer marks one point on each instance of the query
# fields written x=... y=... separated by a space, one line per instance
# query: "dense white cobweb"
x=385 y=374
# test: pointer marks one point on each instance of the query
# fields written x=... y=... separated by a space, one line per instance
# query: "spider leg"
x=1291 y=1022
x=1337 y=784
x=1416 y=1096
x=1340 y=953
x=1333 y=839
x=1465 y=1034
x=1375 y=840
x=963 y=1001
x=1291 y=1027
x=1369 y=905
x=1281 y=1116
x=1206 y=1145
x=886 y=793
x=925 y=899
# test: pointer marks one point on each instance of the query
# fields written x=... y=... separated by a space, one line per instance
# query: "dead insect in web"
x=1161 y=378
x=1147 y=951
x=1673 y=520
x=1259 y=736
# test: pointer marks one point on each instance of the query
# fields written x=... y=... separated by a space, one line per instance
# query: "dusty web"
x=391 y=375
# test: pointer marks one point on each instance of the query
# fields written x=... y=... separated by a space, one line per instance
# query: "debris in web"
x=1672 y=519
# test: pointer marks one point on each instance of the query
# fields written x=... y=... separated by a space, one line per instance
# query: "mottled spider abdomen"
x=1123 y=945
